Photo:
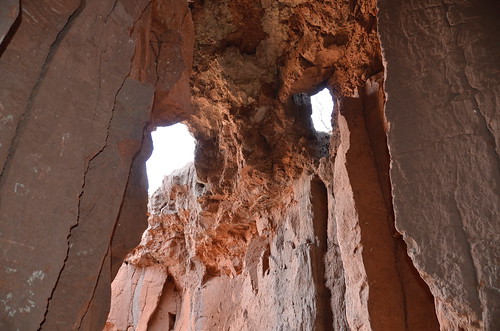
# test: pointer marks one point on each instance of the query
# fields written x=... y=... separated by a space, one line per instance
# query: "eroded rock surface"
x=276 y=285
x=274 y=226
x=250 y=235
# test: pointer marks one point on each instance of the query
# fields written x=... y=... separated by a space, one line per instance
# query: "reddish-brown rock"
x=443 y=74
x=253 y=238
x=280 y=283
x=9 y=11
x=72 y=122
x=274 y=226
x=144 y=290
x=383 y=289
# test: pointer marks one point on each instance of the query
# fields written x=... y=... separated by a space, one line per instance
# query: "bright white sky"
x=322 y=108
x=174 y=145
x=173 y=148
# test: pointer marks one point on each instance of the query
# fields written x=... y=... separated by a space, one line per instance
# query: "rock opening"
x=322 y=111
x=173 y=147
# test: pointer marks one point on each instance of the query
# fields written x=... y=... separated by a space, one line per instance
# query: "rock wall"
x=442 y=83
x=10 y=12
x=280 y=284
x=74 y=111
x=267 y=231
x=389 y=223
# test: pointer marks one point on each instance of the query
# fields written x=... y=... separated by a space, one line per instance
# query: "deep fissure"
x=319 y=201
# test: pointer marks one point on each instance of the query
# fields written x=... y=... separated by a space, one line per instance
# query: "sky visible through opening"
x=174 y=145
x=173 y=148
x=322 y=108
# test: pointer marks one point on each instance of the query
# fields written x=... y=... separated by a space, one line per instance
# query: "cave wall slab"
x=442 y=78
x=71 y=121
x=9 y=11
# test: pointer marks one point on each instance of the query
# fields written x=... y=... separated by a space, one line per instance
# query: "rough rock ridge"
x=389 y=223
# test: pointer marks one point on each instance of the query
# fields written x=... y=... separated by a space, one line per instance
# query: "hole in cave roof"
x=173 y=148
x=322 y=109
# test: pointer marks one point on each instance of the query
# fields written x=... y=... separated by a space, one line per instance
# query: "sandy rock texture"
x=442 y=110
x=278 y=285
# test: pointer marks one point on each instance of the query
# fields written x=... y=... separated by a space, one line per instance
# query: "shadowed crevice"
x=319 y=202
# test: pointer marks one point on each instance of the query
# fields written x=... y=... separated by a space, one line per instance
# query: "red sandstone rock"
x=248 y=212
x=442 y=111
x=278 y=285
x=274 y=226
x=9 y=11
x=71 y=123
x=144 y=290
x=164 y=57
x=380 y=283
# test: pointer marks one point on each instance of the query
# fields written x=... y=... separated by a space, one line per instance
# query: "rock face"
x=442 y=109
x=389 y=223
x=276 y=226
x=10 y=11
x=72 y=187
x=278 y=283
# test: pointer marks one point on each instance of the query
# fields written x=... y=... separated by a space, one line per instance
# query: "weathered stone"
x=132 y=104
x=9 y=11
x=442 y=111
x=71 y=121
x=281 y=283
x=382 y=291
x=164 y=57
x=251 y=238
x=143 y=290
x=274 y=226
